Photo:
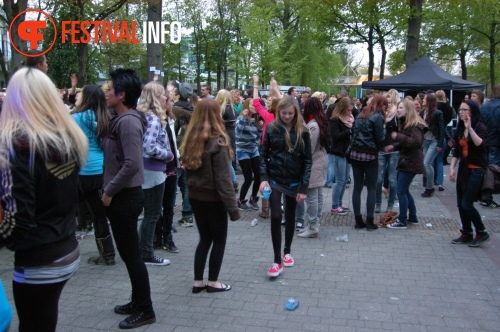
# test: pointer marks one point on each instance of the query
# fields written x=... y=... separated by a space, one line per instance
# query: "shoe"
x=378 y=208
x=360 y=224
x=197 y=289
x=265 y=209
x=345 y=208
x=253 y=203
x=99 y=260
x=397 y=225
x=275 y=270
x=464 y=238
x=223 y=288
x=186 y=221
x=491 y=203
x=170 y=247
x=125 y=309
x=480 y=238
x=370 y=225
x=338 y=211
x=137 y=319
x=299 y=226
x=441 y=188
x=412 y=220
x=427 y=193
x=288 y=260
x=309 y=232
x=242 y=205
x=327 y=185
x=156 y=261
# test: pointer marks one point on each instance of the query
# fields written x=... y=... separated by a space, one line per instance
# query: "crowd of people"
x=125 y=147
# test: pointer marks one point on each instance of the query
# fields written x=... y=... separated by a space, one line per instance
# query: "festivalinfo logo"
x=76 y=32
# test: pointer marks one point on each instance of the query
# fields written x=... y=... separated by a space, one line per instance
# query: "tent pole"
x=451 y=98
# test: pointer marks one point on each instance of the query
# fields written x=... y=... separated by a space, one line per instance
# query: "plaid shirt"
x=362 y=156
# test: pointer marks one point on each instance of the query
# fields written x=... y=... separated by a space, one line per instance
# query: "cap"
x=185 y=90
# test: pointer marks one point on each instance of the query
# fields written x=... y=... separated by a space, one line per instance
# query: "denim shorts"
x=240 y=154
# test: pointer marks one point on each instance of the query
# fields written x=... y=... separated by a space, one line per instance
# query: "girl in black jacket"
x=39 y=163
x=470 y=143
x=285 y=166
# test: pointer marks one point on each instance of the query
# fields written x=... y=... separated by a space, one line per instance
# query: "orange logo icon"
x=32 y=32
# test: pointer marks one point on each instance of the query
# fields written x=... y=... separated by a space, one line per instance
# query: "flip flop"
x=291 y=304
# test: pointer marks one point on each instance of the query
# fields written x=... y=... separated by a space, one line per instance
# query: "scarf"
x=347 y=120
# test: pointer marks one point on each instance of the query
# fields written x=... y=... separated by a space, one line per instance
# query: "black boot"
x=170 y=245
x=370 y=225
x=106 y=252
x=359 y=222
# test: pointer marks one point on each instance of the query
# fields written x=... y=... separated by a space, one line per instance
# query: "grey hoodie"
x=123 y=165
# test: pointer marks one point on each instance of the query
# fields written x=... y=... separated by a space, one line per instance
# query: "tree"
x=413 y=34
x=12 y=9
x=154 y=50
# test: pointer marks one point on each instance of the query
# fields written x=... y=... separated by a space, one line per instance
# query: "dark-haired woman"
x=317 y=124
x=434 y=139
x=470 y=149
x=206 y=154
x=368 y=140
x=92 y=117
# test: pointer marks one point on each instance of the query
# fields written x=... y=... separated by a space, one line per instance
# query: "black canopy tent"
x=423 y=75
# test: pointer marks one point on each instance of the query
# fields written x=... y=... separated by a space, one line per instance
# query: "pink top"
x=268 y=117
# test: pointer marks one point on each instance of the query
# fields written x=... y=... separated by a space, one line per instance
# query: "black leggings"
x=361 y=173
x=276 y=215
x=249 y=167
x=211 y=219
x=37 y=305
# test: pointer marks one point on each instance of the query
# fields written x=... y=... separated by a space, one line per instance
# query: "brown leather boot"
x=265 y=209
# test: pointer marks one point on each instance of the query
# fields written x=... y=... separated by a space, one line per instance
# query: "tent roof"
x=423 y=75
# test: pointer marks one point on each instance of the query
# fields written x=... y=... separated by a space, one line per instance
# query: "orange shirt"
x=465 y=150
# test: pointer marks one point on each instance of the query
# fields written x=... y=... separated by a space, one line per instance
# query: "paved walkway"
x=391 y=280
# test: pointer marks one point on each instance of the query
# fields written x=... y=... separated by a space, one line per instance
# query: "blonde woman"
x=206 y=155
x=409 y=141
x=155 y=155
x=41 y=152
x=286 y=139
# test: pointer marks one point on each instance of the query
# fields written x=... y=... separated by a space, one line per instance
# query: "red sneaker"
x=275 y=270
x=288 y=260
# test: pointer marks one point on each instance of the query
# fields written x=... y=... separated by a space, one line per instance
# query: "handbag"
x=347 y=153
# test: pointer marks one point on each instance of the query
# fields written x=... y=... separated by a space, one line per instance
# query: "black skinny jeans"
x=164 y=225
x=211 y=220
x=90 y=185
x=37 y=305
x=125 y=208
x=251 y=172
x=360 y=173
x=276 y=215
x=465 y=200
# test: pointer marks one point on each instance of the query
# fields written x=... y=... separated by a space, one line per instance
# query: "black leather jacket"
x=281 y=165
x=369 y=134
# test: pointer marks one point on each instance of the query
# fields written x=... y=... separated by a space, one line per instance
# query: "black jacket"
x=369 y=134
x=490 y=116
x=437 y=127
x=448 y=113
x=39 y=204
x=341 y=137
x=281 y=165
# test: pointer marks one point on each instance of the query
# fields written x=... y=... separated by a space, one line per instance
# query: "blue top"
x=88 y=123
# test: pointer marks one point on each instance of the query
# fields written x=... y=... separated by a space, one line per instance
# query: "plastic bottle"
x=267 y=192
x=254 y=222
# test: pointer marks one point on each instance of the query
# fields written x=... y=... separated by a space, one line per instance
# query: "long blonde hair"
x=150 y=101
x=412 y=117
x=224 y=99
x=33 y=112
x=297 y=124
x=341 y=107
x=205 y=123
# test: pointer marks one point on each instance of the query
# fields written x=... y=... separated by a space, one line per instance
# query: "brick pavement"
x=387 y=280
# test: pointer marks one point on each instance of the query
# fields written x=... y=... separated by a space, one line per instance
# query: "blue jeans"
x=465 y=200
x=494 y=156
x=153 y=199
x=439 y=164
x=233 y=174
x=430 y=153
x=341 y=169
x=330 y=174
x=406 y=201
x=314 y=202
x=389 y=161
x=181 y=182
x=122 y=213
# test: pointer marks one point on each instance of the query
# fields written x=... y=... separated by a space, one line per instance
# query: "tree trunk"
x=154 y=50
x=11 y=10
x=492 y=60
x=371 y=54
x=414 y=23
x=5 y=72
x=463 y=64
